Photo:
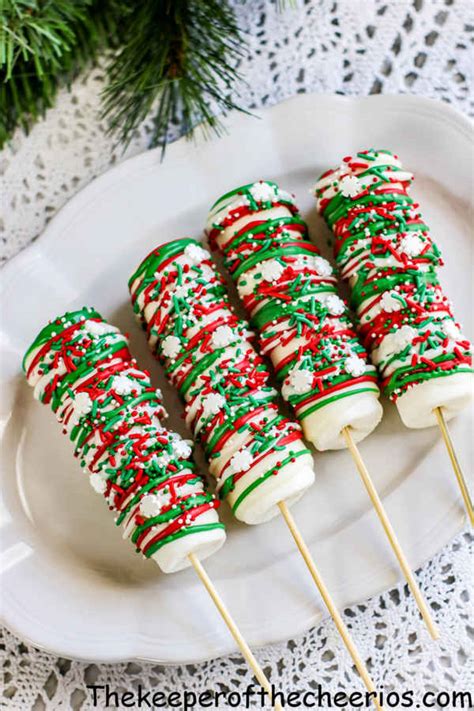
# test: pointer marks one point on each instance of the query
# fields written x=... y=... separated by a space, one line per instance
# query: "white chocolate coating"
x=387 y=254
x=452 y=393
x=256 y=474
x=174 y=556
x=360 y=411
x=289 y=486
x=106 y=404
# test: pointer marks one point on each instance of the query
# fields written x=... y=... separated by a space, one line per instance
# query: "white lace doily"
x=332 y=46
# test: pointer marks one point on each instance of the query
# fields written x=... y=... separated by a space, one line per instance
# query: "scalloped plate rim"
x=138 y=644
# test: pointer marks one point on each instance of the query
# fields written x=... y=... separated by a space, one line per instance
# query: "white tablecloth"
x=330 y=46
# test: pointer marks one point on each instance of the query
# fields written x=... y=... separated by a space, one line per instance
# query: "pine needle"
x=178 y=63
x=175 y=61
x=43 y=45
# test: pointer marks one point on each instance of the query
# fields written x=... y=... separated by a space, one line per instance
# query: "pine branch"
x=43 y=45
x=178 y=61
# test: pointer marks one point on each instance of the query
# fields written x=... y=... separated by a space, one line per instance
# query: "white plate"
x=70 y=584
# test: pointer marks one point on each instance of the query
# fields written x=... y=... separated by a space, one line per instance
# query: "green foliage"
x=43 y=45
x=178 y=59
x=175 y=58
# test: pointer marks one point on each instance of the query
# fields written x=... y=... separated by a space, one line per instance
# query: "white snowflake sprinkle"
x=263 y=192
x=404 y=336
x=181 y=448
x=152 y=504
x=411 y=245
x=241 y=461
x=223 y=336
x=171 y=346
x=272 y=270
x=196 y=254
x=335 y=305
x=350 y=186
x=389 y=302
x=301 y=380
x=451 y=330
x=98 y=328
x=322 y=266
x=213 y=403
x=123 y=385
x=82 y=404
x=354 y=365
x=98 y=482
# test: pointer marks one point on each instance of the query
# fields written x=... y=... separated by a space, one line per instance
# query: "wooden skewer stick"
x=233 y=629
x=325 y=594
x=387 y=526
x=455 y=462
